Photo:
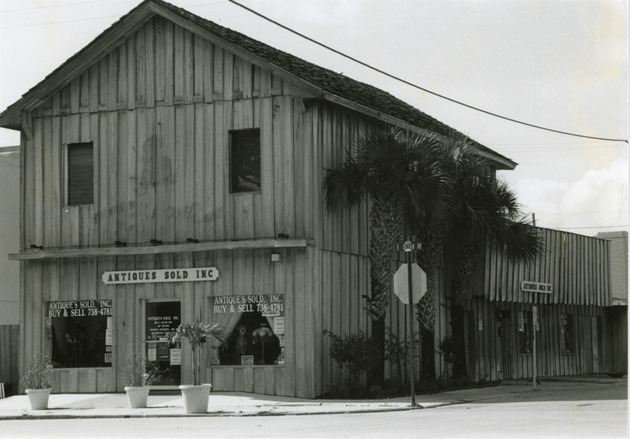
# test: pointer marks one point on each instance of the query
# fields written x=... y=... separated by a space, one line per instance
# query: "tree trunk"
x=459 y=349
x=428 y=356
x=378 y=338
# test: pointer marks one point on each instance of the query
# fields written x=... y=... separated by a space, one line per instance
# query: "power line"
x=472 y=107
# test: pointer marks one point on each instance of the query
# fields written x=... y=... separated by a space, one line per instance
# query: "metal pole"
x=412 y=368
x=534 y=324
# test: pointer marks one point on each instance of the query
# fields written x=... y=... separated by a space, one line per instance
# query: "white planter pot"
x=38 y=398
x=137 y=396
x=195 y=397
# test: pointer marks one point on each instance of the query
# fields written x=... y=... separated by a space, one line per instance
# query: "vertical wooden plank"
x=122 y=75
x=207 y=49
x=150 y=67
x=160 y=74
x=220 y=170
x=208 y=151
x=201 y=150
x=122 y=168
x=139 y=86
x=145 y=188
x=278 y=163
x=165 y=174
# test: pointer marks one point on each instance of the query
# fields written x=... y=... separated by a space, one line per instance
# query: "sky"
x=559 y=64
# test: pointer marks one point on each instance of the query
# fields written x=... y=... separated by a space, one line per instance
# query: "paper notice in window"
x=278 y=325
x=176 y=357
x=108 y=337
x=151 y=354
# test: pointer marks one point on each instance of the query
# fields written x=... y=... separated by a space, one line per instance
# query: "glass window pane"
x=245 y=161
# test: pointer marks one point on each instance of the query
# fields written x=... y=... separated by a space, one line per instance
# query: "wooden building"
x=566 y=295
x=171 y=171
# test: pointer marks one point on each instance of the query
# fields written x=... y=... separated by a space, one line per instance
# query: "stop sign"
x=418 y=283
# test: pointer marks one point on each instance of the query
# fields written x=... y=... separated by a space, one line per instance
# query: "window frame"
x=68 y=171
x=231 y=176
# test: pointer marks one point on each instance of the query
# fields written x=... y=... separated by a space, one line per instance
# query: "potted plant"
x=138 y=376
x=37 y=380
x=196 y=395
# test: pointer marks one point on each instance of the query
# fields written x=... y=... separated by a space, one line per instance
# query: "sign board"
x=535 y=287
x=154 y=276
x=418 y=283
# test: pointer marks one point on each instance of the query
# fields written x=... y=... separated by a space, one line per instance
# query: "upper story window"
x=80 y=176
x=245 y=161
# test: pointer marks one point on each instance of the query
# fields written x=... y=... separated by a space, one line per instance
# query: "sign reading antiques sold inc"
x=536 y=287
x=153 y=276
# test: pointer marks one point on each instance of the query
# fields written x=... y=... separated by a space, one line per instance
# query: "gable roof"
x=321 y=82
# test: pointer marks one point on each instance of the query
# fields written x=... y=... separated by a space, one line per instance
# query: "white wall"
x=9 y=235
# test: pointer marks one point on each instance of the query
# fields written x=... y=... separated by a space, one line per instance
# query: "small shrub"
x=397 y=350
x=354 y=352
x=139 y=373
x=447 y=349
x=39 y=374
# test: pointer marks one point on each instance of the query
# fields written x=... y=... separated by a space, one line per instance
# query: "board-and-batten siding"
x=158 y=109
x=160 y=130
x=484 y=344
x=242 y=272
x=576 y=266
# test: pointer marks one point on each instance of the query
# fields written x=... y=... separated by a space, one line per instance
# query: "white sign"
x=278 y=325
x=153 y=276
x=176 y=357
x=418 y=283
x=535 y=287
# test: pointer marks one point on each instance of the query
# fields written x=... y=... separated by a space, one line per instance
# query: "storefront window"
x=525 y=332
x=256 y=325
x=80 y=332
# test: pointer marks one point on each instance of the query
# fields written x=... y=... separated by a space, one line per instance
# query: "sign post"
x=408 y=244
x=535 y=324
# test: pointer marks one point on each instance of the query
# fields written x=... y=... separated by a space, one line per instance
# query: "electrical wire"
x=472 y=107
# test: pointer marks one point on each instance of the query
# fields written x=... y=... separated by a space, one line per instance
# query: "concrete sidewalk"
x=114 y=405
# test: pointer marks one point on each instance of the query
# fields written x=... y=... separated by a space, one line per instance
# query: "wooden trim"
x=28 y=255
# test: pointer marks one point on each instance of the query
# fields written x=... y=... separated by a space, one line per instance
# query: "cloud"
x=598 y=199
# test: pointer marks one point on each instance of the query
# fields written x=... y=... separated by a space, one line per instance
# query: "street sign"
x=401 y=283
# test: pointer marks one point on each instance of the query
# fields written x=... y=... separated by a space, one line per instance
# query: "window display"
x=256 y=325
x=81 y=333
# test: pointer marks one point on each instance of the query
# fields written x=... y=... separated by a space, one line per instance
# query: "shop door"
x=162 y=317
x=507 y=344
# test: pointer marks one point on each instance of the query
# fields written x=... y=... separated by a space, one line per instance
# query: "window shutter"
x=80 y=174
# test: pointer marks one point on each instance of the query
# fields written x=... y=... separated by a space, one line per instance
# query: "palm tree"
x=483 y=211
x=400 y=174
